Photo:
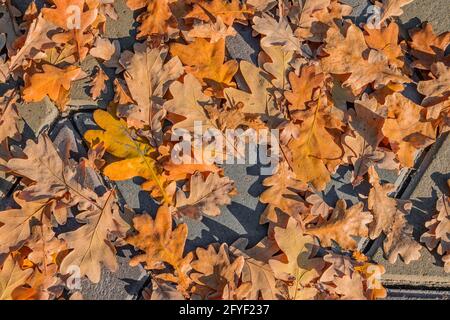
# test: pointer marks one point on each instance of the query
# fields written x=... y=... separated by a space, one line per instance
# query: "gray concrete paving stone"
x=423 y=192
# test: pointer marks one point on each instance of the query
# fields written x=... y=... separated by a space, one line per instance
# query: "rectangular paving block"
x=38 y=116
x=80 y=97
x=426 y=185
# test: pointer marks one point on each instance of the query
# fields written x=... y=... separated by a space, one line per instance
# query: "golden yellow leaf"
x=137 y=154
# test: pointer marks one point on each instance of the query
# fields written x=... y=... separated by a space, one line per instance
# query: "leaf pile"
x=335 y=90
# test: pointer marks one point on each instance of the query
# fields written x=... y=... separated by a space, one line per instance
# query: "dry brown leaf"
x=277 y=62
x=438 y=88
x=12 y=276
x=205 y=61
x=438 y=234
x=389 y=218
x=36 y=40
x=406 y=128
x=74 y=25
x=276 y=33
x=148 y=79
x=296 y=267
x=256 y=268
x=392 y=8
x=283 y=194
x=103 y=49
x=98 y=84
x=343 y=226
x=228 y=11
x=91 y=242
x=316 y=145
x=155 y=19
x=52 y=82
x=386 y=41
x=216 y=275
x=346 y=57
x=16 y=224
x=212 y=31
x=205 y=196
x=303 y=87
x=161 y=244
x=260 y=99
x=9 y=118
x=189 y=101
x=427 y=47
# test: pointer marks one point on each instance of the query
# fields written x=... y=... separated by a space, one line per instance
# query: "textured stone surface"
x=403 y=294
x=436 y=12
x=38 y=116
x=80 y=97
x=425 y=187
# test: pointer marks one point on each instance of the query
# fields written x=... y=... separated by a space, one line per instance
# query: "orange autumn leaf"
x=52 y=82
x=228 y=11
x=205 y=61
x=386 y=40
x=303 y=87
x=161 y=244
x=155 y=20
x=427 y=47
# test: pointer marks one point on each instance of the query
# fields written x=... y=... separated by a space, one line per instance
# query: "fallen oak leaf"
x=303 y=87
x=228 y=11
x=136 y=153
x=52 y=82
x=406 y=129
x=276 y=33
x=212 y=31
x=12 y=276
x=389 y=218
x=189 y=102
x=155 y=19
x=205 y=61
x=316 y=144
x=256 y=269
x=428 y=48
x=283 y=194
x=277 y=62
x=342 y=226
x=91 y=242
x=260 y=100
x=216 y=275
x=9 y=117
x=147 y=78
x=71 y=16
x=51 y=176
x=98 y=84
x=437 y=235
x=386 y=40
x=346 y=57
x=36 y=40
x=392 y=8
x=16 y=224
x=161 y=244
x=438 y=88
x=103 y=49
x=296 y=267
x=205 y=196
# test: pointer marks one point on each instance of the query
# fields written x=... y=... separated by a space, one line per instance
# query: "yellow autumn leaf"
x=137 y=154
